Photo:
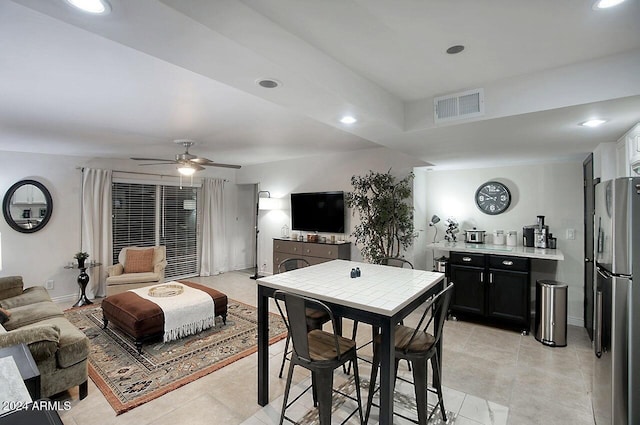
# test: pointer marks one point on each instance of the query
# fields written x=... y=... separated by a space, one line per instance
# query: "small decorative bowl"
x=168 y=290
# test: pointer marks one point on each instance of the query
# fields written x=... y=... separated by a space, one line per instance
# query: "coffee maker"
x=535 y=235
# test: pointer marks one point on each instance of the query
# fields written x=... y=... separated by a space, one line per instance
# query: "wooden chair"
x=385 y=261
x=318 y=351
x=418 y=346
x=395 y=262
x=315 y=318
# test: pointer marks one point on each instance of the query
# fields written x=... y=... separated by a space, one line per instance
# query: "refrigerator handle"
x=597 y=328
x=604 y=274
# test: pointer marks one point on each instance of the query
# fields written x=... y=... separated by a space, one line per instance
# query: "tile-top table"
x=381 y=296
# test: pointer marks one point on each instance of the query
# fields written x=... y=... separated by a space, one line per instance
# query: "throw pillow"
x=4 y=315
x=138 y=261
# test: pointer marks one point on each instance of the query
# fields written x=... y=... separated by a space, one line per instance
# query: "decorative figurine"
x=452 y=229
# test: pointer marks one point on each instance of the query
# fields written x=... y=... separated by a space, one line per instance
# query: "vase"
x=81 y=263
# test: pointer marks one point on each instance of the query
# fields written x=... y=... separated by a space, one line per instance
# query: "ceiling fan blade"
x=159 y=163
x=200 y=160
x=153 y=159
x=217 y=164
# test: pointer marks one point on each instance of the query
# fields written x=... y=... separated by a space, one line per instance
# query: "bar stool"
x=385 y=261
x=418 y=347
x=315 y=318
x=319 y=351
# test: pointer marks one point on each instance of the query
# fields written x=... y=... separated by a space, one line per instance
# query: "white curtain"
x=96 y=226
x=214 y=258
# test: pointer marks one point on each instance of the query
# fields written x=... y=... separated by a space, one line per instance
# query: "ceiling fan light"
x=605 y=4
x=186 y=169
x=96 y=7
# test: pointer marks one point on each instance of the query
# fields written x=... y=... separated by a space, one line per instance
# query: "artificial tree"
x=386 y=215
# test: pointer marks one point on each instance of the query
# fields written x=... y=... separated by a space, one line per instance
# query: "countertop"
x=514 y=251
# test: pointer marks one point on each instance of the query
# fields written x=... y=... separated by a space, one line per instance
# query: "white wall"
x=553 y=190
x=326 y=173
x=42 y=255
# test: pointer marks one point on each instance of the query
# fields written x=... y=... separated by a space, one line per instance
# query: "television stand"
x=313 y=252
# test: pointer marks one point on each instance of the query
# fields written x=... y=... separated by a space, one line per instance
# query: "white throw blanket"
x=186 y=314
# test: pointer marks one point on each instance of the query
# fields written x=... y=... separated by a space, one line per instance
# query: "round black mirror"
x=27 y=206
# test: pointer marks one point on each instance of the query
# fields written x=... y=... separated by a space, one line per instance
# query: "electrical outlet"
x=571 y=234
x=49 y=284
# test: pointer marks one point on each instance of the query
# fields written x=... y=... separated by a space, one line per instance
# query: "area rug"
x=128 y=379
x=344 y=409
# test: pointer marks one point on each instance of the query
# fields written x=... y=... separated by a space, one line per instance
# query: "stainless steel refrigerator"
x=616 y=378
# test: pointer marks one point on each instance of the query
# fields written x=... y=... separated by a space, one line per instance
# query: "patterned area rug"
x=128 y=379
x=344 y=409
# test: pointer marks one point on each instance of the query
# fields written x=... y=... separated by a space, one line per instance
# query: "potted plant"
x=386 y=214
x=81 y=256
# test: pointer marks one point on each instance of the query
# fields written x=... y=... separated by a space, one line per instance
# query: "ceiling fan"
x=187 y=163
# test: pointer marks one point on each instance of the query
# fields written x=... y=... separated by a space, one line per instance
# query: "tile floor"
x=492 y=376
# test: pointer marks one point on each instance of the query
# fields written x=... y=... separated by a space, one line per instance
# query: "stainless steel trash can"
x=551 y=313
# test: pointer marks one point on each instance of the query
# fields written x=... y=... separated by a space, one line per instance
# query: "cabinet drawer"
x=294 y=249
x=509 y=263
x=320 y=250
x=466 y=259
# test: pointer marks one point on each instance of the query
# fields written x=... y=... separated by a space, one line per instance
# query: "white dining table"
x=382 y=296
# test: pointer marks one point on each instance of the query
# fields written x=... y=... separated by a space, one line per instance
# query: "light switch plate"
x=49 y=284
x=571 y=234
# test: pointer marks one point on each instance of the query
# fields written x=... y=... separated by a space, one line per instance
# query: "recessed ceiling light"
x=455 y=49
x=96 y=7
x=348 y=119
x=268 y=83
x=593 y=123
x=605 y=4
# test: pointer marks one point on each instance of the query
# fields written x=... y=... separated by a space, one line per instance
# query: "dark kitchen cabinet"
x=467 y=274
x=492 y=287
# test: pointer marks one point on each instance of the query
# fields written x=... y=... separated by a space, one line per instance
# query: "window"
x=179 y=230
x=149 y=215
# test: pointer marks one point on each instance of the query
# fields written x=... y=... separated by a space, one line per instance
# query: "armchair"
x=136 y=268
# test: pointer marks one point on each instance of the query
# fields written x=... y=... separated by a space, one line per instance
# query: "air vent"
x=458 y=106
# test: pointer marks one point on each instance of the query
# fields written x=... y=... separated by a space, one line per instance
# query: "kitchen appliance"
x=441 y=264
x=616 y=375
x=474 y=236
x=540 y=238
x=528 y=236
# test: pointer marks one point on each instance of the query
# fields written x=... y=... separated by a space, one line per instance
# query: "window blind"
x=179 y=230
x=149 y=215
x=134 y=216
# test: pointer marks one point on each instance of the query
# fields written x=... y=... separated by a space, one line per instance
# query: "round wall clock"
x=493 y=198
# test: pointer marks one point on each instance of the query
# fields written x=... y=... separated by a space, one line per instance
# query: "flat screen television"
x=318 y=212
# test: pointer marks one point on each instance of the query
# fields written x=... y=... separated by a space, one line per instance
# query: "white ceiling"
x=128 y=83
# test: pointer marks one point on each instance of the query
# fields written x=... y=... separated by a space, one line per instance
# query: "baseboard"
x=575 y=321
x=65 y=298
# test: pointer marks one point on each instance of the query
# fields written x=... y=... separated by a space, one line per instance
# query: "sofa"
x=59 y=349
x=137 y=267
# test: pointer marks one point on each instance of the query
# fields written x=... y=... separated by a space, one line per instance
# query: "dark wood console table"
x=313 y=252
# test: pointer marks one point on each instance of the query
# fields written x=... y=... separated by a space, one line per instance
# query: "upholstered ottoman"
x=142 y=319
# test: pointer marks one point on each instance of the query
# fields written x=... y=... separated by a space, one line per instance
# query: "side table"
x=26 y=366
x=83 y=280
x=31 y=417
